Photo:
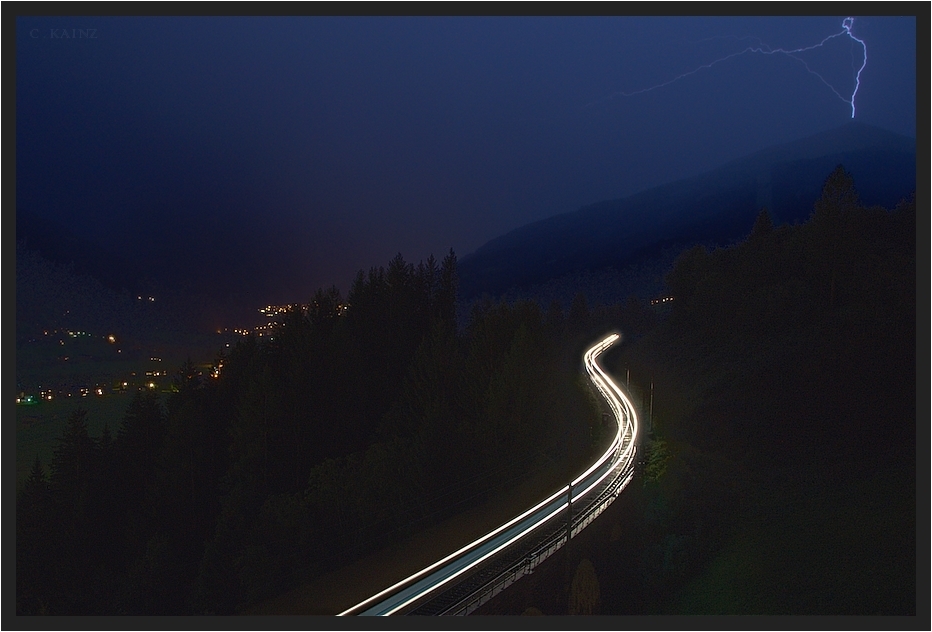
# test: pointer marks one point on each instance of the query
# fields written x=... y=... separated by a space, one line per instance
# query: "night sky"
x=263 y=158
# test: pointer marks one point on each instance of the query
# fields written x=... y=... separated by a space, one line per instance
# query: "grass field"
x=39 y=426
x=62 y=364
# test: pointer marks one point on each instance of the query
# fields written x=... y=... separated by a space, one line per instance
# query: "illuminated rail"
x=594 y=490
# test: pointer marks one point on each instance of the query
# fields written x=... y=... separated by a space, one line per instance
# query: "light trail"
x=617 y=459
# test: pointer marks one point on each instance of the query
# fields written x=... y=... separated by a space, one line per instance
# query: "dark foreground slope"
x=304 y=451
x=780 y=477
x=715 y=208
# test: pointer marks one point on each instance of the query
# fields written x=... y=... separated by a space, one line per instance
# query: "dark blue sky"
x=273 y=156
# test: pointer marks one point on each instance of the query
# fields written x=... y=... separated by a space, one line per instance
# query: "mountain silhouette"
x=649 y=228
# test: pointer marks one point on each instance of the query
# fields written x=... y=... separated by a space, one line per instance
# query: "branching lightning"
x=764 y=49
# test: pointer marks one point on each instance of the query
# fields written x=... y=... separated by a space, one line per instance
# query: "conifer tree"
x=831 y=216
x=73 y=463
x=33 y=542
x=449 y=286
x=763 y=226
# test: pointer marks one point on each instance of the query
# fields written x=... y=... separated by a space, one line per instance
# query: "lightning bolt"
x=847 y=24
x=763 y=49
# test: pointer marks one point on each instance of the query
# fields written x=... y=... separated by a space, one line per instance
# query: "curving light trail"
x=618 y=459
x=764 y=49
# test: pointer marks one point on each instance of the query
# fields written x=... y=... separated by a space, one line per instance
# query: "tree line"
x=356 y=422
x=785 y=386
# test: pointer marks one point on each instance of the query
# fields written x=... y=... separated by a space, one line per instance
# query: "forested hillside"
x=619 y=238
x=357 y=422
x=780 y=474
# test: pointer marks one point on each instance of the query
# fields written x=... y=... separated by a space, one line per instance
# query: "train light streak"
x=617 y=460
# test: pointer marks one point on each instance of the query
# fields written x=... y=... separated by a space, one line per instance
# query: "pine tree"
x=578 y=317
x=37 y=483
x=136 y=448
x=75 y=472
x=73 y=463
x=33 y=542
x=689 y=270
x=449 y=286
x=831 y=217
x=763 y=226
x=105 y=443
x=838 y=198
x=584 y=592
x=554 y=318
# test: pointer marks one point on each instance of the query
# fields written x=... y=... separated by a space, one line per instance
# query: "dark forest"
x=362 y=420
